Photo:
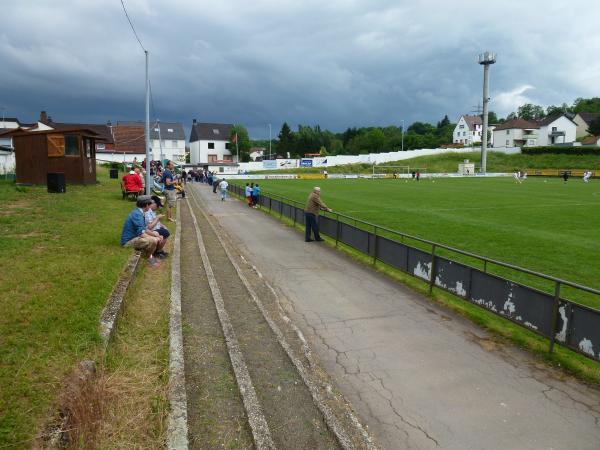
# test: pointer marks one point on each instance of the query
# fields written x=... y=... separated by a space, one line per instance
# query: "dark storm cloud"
x=336 y=63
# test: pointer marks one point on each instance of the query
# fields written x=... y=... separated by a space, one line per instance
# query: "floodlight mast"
x=485 y=59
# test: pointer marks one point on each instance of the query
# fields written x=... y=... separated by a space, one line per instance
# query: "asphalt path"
x=418 y=375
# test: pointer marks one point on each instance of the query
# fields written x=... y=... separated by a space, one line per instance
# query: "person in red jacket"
x=133 y=182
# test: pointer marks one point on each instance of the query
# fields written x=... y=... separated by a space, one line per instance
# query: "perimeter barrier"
x=562 y=321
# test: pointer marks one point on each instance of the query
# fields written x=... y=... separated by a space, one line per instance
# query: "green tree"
x=336 y=147
x=444 y=122
x=586 y=105
x=492 y=117
x=286 y=139
x=553 y=110
x=240 y=134
x=421 y=128
x=594 y=128
x=323 y=151
x=529 y=111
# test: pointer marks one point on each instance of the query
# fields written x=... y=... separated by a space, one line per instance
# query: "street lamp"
x=269 y=141
x=486 y=59
x=402 y=134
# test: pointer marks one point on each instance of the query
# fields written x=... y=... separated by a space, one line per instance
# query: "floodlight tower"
x=485 y=59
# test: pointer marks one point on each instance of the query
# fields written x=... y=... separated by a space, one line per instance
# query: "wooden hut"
x=71 y=151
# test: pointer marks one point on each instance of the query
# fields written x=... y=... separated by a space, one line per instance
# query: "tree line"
x=363 y=140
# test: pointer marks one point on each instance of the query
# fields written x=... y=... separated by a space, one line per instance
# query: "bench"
x=128 y=194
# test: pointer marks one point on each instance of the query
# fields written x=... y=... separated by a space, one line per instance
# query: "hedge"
x=561 y=150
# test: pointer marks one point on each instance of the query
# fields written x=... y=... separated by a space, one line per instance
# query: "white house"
x=556 y=130
x=468 y=130
x=209 y=143
x=172 y=138
x=257 y=153
x=516 y=132
x=583 y=121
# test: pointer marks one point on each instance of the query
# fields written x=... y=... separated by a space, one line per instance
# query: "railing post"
x=432 y=274
x=337 y=230
x=485 y=266
x=554 y=316
x=374 y=245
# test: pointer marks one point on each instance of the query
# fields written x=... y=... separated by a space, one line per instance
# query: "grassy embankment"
x=543 y=225
x=60 y=257
x=448 y=162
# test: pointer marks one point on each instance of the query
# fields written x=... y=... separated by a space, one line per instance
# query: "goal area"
x=381 y=171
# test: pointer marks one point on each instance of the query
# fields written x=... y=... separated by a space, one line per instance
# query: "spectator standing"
x=215 y=184
x=135 y=233
x=311 y=213
x=223 y=185
x=248 y=194
x=255 y=195
x=169 y=183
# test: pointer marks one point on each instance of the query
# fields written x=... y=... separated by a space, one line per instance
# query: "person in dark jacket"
x=311 y=213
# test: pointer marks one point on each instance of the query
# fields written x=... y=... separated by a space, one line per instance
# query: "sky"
x=335 y=63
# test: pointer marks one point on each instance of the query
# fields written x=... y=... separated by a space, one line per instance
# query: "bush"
x=561 y=150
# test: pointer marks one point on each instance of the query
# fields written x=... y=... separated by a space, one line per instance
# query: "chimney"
x=108 y=124
x=43 y=117
x=194 y=121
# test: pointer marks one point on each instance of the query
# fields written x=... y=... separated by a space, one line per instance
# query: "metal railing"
x=572 y=324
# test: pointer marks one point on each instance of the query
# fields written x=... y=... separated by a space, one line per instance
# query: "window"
x=72 y=145
x=464 y=133
x=507 y=142
x=212 y=158
x=215 y=131
x=211 y=145
x=227 y=158
x=461 y=127
x=170 y=130
x=227 y=145
x=173 y=144
x=507 y=131
x=221 y=169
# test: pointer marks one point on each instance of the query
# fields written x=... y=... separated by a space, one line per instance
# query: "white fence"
x=371 y=158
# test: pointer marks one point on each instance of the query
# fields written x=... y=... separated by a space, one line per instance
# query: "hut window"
x=71 y=145
x=56 y=146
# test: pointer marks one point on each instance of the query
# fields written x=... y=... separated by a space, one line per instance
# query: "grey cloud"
x=337 y=63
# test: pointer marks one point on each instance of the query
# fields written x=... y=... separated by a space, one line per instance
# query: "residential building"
x=583 y=121
x=257 y=153
x=558 y=129
x=172 y=138
x=468 y=130
x=591 y=140
x=129 y=143
x=209 y=144
x=516 y=133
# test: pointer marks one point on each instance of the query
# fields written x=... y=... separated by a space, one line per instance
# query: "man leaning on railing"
x=311 y=212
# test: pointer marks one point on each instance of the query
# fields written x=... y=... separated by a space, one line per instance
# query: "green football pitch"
x=543 y=224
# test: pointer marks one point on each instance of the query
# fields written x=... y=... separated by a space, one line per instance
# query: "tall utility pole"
x=148 y=159
x=159 y=141
x=269 y=141
x=402 y=134
x=486 y=59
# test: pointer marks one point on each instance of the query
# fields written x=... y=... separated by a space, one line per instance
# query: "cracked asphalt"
x=418 y=375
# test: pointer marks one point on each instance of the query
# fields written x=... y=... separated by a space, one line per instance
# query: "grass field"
x=60 y=257
x=543 y=224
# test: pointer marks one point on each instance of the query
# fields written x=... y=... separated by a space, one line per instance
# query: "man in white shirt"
x=223 y=185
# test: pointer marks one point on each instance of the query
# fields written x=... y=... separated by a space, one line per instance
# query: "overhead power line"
x=132 y=27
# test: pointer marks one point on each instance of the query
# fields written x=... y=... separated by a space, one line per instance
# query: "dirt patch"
x=489 y=345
